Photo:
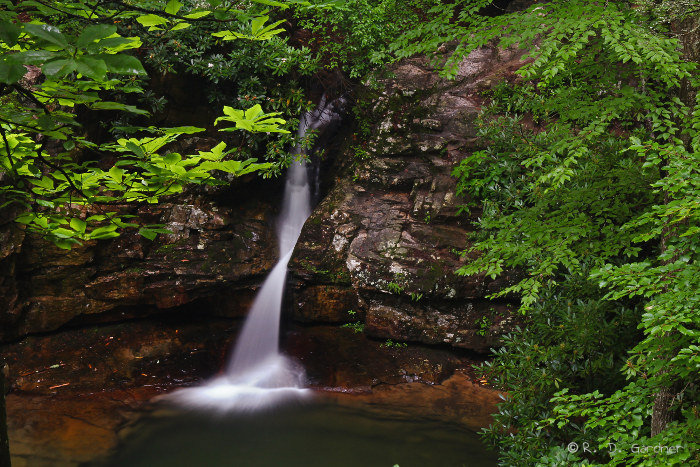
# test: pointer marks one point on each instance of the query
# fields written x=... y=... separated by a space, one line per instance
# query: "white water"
x=258 y=375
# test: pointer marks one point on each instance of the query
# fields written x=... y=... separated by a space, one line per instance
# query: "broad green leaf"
x=59 y=68
x=147 y=233
x=9 y=33
x=123 y=64
x=119 y=44
x=257 y=23
x=47 y=32
x=180 y=26
x=151 y=20
x=117 y=174
x=44 y=182
x=62 y=233
x=95 y=33
x=104 y=232
x=172 y=158
x=272 y=3
x=173 y=7
x=179 y=130
x=106 y=105
x=91 y=67
x=78 y=225
x=34 y=57
x=253 y=112
x=197 y=14
x=65 y=244
x=11 y=71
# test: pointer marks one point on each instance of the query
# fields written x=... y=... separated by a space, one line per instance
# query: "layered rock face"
x=211 y=262
x=383 y=246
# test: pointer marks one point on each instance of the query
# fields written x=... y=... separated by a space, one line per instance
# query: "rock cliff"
x=217 y=253
x=383 y=246
x=380 y=250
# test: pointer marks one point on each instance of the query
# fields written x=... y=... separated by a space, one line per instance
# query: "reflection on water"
x=309 y=435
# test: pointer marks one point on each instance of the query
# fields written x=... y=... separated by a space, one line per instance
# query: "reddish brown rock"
x=215 y=252
x=390 y=229
x=457 y=399
x=69 y=430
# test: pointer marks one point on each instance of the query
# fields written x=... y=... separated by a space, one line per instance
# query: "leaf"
x=11 y=71
x=106 y=105
x=9 y=33
x=197 y=14
x=91 y=67
x=59 y=68
x=116 y=174
x=274 y=3
x=123 y=64
x=104 y=232
x=148 y=233
x=44 y=182
x=95 y=33
x=119 y=44
x=78 y=225
x=180 y=130
x=257 y=23
x=173 y=7
x=63 y=233
x=34 y=57
x=47 y=32
x=151 y=20
x=135 y=148
x=172 y=158
x=180 y=26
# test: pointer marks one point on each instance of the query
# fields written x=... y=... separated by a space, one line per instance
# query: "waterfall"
x=258 y=375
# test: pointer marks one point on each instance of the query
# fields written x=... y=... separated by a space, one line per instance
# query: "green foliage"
x=572 y=338
x=356 y=35
x=70 y=187
x=390 y=344
x=394 y=287
x=240 y=62
x=357 y=326
x=591 y=173
x=484 y=324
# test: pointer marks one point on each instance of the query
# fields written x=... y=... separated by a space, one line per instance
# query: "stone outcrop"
x=212 y=263
x=381 y=248
x=384 y=244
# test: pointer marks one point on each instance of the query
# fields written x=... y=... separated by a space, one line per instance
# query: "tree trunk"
x=662 y=414
x=688 y=32
x=4 y=439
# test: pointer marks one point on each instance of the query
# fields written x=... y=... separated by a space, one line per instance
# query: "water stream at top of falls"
x=257 y=375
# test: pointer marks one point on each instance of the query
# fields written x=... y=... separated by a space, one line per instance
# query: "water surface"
x=308 y=435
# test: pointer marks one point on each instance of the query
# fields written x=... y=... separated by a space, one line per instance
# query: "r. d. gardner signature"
x=585 y=447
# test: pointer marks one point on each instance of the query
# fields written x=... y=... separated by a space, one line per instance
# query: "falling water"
x=258 y=375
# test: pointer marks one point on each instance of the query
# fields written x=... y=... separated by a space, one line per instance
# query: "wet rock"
x=341 y=359
x=159 y=352
x=391 y=230
x=457 y=399
x=214 y=252
x=69 y=430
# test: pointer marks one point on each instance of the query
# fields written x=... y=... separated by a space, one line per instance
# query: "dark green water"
x=311 y=435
